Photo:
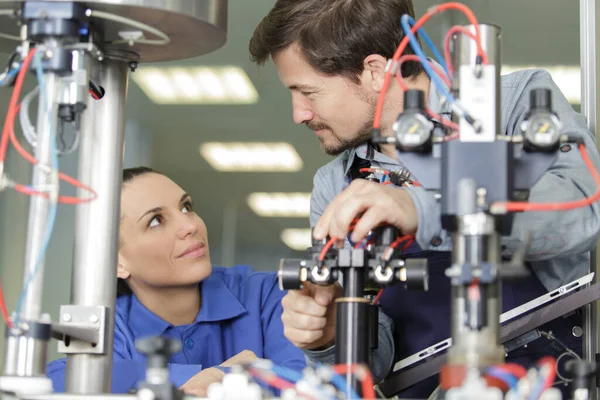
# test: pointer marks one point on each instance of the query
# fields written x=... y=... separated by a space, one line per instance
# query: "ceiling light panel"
x=251 y=157
x=297 y=239
x=280 y=204
x=566 y=77
x=196 y=85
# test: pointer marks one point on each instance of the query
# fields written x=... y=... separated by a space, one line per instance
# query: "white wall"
x=13 y=222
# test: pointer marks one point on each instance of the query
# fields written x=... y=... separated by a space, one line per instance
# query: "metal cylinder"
x=38 y=205
x=352 y=319
x=465 y=53
x=25 y=356
x=97 y=223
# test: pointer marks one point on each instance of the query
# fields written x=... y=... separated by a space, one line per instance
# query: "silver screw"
x=66 y=317
x=577 y=331
x=93 y=318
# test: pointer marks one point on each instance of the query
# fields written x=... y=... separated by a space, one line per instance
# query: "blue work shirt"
x=241 y=310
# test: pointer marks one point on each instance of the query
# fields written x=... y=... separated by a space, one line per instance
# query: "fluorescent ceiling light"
x=196 y=85
x=566 y=77
x=253 y=156
x=297 y=239
x=280 y=204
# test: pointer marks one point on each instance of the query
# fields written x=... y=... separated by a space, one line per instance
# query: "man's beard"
x=362 y=135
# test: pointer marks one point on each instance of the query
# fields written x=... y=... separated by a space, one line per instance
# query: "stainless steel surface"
x=83 y=329
x=25 y=356
x=505 y=317
x=194 y=27
x=97 y=223
x=465 y=53
x=589 y=16
x=38 y=206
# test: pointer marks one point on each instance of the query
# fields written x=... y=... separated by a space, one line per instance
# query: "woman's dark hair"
x=129 y=174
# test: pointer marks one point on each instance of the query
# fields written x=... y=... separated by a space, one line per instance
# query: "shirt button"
x=189 y=343
x=436 y=241
x=565 y=148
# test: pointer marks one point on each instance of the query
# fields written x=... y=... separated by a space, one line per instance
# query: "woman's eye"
x=187 y=207
x=154 y=222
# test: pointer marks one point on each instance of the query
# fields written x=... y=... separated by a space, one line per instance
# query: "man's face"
x=339 y=111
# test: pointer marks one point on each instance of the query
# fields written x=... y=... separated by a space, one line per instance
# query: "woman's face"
x=163 y=243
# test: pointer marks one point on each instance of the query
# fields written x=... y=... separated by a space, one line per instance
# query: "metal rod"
x=588 y=15
x=38 y=205
x=97 y=223
x=352 y=333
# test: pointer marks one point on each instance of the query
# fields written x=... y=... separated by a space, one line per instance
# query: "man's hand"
x=309 y=315
x=198 y=384
x=378 y=205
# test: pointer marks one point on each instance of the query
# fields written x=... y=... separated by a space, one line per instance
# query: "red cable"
x=378 y=297
x=367 y=380
x=323 y=253
x=400 y=50
x=519 y=206
x=444 y=121
x=551 y=362
x=12 y=105
x=514 y=369
x=374 y=170
x=452 y=31
x=3 y=308
x=8 y=132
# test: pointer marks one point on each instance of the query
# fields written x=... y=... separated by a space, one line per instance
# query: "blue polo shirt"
x=241 y=310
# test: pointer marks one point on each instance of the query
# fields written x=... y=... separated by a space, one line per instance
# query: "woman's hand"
x=198 y=384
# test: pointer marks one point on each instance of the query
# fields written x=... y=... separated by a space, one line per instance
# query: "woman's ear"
x=122 y=271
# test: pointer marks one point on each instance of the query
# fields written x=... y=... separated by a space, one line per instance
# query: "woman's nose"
x=187 y=229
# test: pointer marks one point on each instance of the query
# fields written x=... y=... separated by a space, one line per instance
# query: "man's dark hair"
x=130 y=174
x=335 y=36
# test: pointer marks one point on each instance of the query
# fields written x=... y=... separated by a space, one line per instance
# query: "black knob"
x=582 y=372
x=158 y=350
x=414 y=100
x=289 y=274
x=540 y=99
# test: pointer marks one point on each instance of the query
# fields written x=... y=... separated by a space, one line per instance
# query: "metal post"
x=589 y=13
x=97 y=223
x=38 y=206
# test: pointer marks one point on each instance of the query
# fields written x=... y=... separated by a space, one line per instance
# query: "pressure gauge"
x=542 y=130
x=413 y=128
x=413 y=131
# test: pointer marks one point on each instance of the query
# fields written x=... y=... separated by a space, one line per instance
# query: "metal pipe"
x=588 y=15
x=38 y=205
x=352 y=332
x=97 y=222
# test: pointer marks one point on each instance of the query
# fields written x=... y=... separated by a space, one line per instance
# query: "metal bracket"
x=81 y=330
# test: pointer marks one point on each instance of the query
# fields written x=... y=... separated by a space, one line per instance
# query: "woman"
x=167 y=286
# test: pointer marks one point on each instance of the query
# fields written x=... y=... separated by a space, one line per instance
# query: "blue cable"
x=434 y=50
x=286 y=373
x=53 y=206
x=506 y=377
x=10 y=74
x=406 y=21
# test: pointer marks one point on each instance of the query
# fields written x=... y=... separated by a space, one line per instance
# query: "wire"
x=378 y=297
x=547 y=374
x=362 y=374
x=326 y=248
x=407 y=22
x=452 y=31
x=520 y=206
x=164 y=38
x=402 y=46
x=509 y=379
x=4 y=309
x=52 y=209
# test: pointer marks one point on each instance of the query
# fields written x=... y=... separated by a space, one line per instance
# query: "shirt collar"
x=218 y=304
x=367 y=152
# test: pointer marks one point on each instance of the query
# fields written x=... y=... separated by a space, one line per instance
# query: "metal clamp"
x=82 y=329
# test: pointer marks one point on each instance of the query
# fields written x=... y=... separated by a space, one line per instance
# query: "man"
x=332 y=55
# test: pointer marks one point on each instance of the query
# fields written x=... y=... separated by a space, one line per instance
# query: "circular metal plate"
x=195 y=27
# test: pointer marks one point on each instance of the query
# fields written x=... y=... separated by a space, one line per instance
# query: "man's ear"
x=374 y=71
x=121 y=270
